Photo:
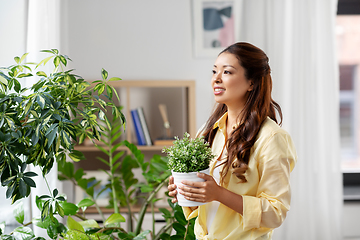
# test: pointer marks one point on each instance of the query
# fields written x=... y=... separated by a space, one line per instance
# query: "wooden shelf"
x=123 y=148
x=93 y=210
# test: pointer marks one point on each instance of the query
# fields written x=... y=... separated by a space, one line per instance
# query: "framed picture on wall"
x=215 y=25
x=102 y=199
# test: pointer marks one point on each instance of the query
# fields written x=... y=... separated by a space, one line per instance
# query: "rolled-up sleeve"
x=189 y=213
x=269 y=207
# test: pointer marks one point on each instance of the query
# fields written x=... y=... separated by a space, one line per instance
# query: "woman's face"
x=229 y=83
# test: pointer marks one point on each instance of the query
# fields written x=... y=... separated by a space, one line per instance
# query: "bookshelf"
x=177 y=95
x=179 y=98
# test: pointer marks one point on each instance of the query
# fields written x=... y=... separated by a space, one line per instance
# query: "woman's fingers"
x=193 y=196
x=172 y=189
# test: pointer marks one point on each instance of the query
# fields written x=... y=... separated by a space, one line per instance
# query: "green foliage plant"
x=189 y=155
x=124 y=186
x=41 y=124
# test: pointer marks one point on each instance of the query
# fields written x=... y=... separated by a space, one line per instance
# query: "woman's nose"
x=217 y=78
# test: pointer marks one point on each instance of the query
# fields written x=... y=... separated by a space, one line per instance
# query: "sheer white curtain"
x=43 y=27
x=299 y=38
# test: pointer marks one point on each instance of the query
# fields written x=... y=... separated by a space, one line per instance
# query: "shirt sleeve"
x=276 y=160
x=188 y=213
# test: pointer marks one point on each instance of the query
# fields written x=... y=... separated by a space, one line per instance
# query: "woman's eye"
x=227 y=72
x=214 y=72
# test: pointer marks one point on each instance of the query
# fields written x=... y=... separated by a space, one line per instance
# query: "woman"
x=248 y=189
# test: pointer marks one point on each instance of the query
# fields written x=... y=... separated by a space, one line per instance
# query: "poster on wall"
x=215 y=25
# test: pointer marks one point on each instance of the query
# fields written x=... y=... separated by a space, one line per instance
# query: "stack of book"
x=140 y=127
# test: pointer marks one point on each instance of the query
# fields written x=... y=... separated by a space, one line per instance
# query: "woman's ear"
x=251 y=87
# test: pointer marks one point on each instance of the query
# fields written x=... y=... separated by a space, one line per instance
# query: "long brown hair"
x=258 y=107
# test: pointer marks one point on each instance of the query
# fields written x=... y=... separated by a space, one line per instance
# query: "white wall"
x=136 y=39
x=13 y=30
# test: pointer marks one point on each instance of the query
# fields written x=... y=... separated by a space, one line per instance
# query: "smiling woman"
x=247 y=193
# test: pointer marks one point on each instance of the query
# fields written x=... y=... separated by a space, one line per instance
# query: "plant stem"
x=81 y=217
x=163 y=230
x=99 y=211
x=145 y=206
x=47 y=184
x=187 y=227
x=153 y=218
x=130 y=222
x=115 y=206
x=110 y=228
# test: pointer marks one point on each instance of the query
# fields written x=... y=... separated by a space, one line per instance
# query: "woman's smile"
x=218 y=90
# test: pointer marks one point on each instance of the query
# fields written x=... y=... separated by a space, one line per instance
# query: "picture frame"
x=215 y=26
x=103 y=198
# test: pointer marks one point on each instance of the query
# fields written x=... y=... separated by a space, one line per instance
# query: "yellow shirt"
x=266 y=194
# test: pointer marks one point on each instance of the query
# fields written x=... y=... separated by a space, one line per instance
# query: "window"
x=348 y=37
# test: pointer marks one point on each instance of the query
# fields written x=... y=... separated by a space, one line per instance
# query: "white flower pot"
x=191 y=176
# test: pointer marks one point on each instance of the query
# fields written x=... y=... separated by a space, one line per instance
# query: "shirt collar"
x=221 y=123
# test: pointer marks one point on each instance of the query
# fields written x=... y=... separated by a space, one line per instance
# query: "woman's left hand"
x=200 y=191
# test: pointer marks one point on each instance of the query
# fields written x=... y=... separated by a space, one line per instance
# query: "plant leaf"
x=114 y=218
x=69 y=208
x=86 y=202
x=76 y=155
x=142 y=235
x=91 y=223
x=74 y=225
x=23 y=233
x=19 y=212
x=104 y=74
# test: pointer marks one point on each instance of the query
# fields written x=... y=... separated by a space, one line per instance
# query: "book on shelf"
x=137 y=127
x=144 y=126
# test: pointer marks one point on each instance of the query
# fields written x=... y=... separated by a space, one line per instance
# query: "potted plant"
x=41 y=124
x=187 y=157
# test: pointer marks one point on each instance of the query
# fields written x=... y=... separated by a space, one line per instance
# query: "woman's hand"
x=172 y=189
x=201 y=191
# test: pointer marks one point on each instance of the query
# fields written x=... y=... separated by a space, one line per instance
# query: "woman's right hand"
x=172 y=189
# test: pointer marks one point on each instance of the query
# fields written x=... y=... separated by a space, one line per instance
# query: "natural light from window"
x=348 y=41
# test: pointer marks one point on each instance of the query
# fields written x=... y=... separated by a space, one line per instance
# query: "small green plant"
x=189 y=155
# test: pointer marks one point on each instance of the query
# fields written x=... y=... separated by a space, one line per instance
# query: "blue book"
x=144 y=126
x=138 y=129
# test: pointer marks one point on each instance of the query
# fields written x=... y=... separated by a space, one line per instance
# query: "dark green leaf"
x=51 y=136
x=22 y=187
x=180 y=229
x=179 y=216
x=55 y=192
x=30 y=174
x=167 y=213
x=29 y=182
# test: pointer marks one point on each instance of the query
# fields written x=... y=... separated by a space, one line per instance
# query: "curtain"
x=299 y=38
x=43 y=32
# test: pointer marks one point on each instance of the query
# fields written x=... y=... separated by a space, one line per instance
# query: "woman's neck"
x=232 y=120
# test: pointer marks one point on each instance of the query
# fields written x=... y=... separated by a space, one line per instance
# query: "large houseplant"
x=187 y=157
x=41 y=124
